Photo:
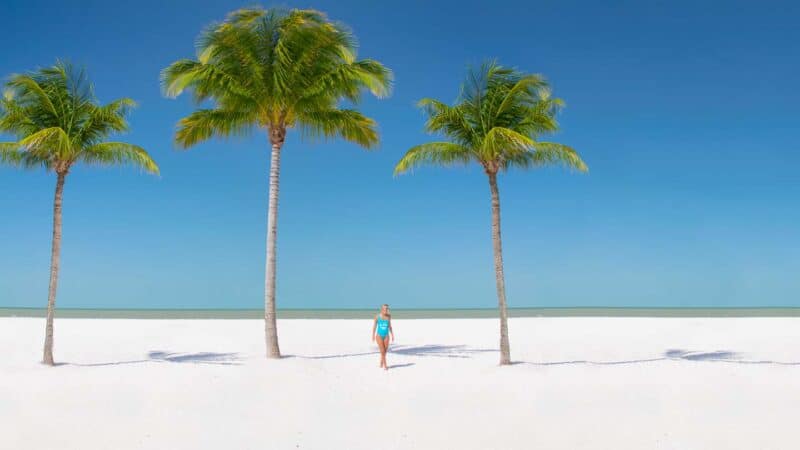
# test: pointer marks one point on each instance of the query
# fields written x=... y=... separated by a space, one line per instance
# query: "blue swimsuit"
x=383 y=327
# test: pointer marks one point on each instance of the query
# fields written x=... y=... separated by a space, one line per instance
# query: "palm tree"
x=275 y=70
x=496 y=122
x=58 y=123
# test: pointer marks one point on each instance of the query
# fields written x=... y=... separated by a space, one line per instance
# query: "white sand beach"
x=580 y=383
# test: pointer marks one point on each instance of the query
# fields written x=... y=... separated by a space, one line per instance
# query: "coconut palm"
x=276 y=70
x=497 y=122
x=58 y=123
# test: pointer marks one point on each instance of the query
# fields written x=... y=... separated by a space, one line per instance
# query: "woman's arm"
x=374 y=326
x=391 y=332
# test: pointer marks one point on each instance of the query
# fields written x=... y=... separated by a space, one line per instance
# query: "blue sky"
x=686 y=112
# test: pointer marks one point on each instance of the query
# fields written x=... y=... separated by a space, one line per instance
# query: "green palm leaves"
x=58 y=122
x=276 y=69
x=497 y=122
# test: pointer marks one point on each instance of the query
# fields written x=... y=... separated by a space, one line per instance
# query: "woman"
x=381 y=330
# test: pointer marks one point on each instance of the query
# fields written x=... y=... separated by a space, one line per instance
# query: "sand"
x=579 y=383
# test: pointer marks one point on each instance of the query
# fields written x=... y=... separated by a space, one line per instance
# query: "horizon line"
x=488 y=308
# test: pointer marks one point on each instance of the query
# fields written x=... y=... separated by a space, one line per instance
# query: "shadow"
x=340 y=355
x=701 y=356
x=400 y=366
x=722 y=356
x=196 y=358
x=588 y=362
x=441 y=351
x=220 y=359
x=672 y=355
x=430 y=350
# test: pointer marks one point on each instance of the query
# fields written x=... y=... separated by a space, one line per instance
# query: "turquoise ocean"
x=399 y=313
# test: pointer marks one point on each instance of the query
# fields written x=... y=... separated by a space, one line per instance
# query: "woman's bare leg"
x=383 y=354
x=382 y=348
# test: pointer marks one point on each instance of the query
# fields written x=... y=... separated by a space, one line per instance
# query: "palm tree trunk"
x=505 y=350
x=270 y=322
x=54 y=259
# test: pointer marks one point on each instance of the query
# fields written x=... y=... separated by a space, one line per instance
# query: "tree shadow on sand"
x=719 y=356
x=429 y=350
x=219 y=359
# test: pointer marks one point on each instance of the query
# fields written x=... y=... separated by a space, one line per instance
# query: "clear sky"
x=686 y=112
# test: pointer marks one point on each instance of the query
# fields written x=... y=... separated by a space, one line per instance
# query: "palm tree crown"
x=58 y=122
x=496 y=122
x=276 y=69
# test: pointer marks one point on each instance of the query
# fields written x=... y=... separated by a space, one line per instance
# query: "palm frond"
x=245 y=16
x=348 y=124
x=202 y=124
x=524 y=91
x=499 y=142
x=16 y=120
x=12 y=155
x=434 y=153
x=25 y=85
x=207 y=81
x=348 y=80
x=119 y=154
x=178 y=76
x=103 y=120
x=544 y=154
x=52 y=140
x=452 y=121
x=234 y=51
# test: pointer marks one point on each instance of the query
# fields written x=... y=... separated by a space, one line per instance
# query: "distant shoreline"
x=433 y=313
